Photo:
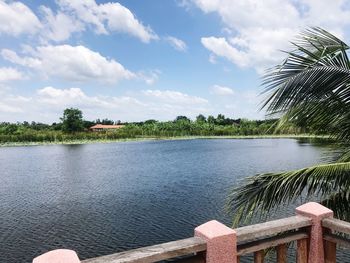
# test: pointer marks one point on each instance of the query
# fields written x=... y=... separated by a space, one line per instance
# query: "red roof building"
x=102 y=127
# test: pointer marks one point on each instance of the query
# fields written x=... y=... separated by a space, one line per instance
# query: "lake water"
x=104 y=198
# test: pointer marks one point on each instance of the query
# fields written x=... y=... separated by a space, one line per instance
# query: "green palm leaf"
x=339 y=203
x=262 y=193
x=310 y=88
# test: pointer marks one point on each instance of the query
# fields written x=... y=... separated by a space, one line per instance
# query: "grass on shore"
x=295 y=136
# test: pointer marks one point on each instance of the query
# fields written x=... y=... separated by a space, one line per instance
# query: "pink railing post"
x=316 y=212
x=221 y=242
x=58 y=256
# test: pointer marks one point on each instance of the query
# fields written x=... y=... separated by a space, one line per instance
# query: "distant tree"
x=150 y=121
x=238 y=121
x=107 y=122
x=220 y=119
x=182 y=118
x=104 y=122
x=201 y=118
x=88 y=124
x=72 y=120
x=211 y=119
x=10 y=129
x=56 y=126
x=39 y=126
x=26 y=124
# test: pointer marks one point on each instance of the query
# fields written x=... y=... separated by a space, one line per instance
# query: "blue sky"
x=155 y=59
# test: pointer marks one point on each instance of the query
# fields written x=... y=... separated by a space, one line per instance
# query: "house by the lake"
x=103 y=127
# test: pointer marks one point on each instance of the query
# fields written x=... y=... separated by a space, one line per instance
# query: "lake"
x=104 y=198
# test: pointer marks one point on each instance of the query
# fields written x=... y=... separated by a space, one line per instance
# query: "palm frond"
x=261 y=193
x=317 y=68
x=339 y=203
x=344 y=157
x=312 y=86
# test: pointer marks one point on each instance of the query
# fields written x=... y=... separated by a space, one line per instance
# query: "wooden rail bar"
x=336 y=225
x=341 y=241
x=154 y=253
x=270 y=242
x=302 y=251
x=270 y=228
x=259 y=256
x=330 y=252
x=193 y=259
x=282 y=253
x=330 y=248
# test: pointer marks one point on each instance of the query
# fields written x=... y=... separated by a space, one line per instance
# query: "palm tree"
x=312 y=87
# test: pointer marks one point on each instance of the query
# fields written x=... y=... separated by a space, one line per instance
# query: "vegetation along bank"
x=74 y=129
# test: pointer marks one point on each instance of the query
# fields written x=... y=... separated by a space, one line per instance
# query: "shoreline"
x=140 y=139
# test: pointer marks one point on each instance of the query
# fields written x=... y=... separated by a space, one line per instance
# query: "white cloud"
x=184 y=3
x=243 y=104
x=167 y=104
x=12 y=56
x=243 y=14
x=150 y=77
x=174 y=97
x=75 y=97
x=220 y=47
x=9 y=74
x=86 y=11
x=10 y=104
x=107 y=17
x=71 y=16
x=176 y=43
x=48 y=103
x=254 y=31
x=61 y=97
x=72 y=63
x=59 y=27
x=212 y=59
x=6 y=108
x=16 y=18
x=221 y=90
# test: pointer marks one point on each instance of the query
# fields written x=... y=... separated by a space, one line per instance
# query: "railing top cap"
x=214 y=229
x=314 y=210
x=58 y=256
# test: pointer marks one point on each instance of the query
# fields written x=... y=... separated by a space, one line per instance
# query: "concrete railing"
x=312 y=228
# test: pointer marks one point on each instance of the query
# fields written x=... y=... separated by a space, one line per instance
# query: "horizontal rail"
x=341 y=241
x=154 y=253
x=270 y=242
x=199 y=258
x=270 y=228
x=336 y=225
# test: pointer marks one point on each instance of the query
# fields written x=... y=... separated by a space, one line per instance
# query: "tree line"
x=73 y=126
